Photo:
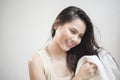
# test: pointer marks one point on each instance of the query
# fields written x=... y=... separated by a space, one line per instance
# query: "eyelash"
x=72 y=31
x=80 y=36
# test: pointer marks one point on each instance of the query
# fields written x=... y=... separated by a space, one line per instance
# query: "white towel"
x=102 y=75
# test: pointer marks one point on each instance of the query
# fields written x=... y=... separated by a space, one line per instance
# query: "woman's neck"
x=55 y=51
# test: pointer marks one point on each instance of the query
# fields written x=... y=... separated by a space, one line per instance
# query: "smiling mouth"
x=69 y=44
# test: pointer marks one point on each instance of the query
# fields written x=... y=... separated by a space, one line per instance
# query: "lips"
x=69 y=44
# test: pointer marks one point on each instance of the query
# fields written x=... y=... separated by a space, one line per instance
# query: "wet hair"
x=88 y=45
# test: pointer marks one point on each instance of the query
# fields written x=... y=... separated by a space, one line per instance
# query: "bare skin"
x=66 y=37
x=36 y=69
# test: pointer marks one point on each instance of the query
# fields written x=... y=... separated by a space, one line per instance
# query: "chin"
x=66 y=49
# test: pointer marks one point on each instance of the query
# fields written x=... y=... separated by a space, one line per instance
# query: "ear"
x=56 y=24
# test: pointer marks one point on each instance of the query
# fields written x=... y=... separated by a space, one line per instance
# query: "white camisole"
x=48 y=68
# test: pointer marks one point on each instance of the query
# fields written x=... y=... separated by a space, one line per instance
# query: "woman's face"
x=70 y=34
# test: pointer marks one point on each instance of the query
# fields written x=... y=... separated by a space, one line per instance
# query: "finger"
x=85 y=61
x=93 y=71
x=92 y=65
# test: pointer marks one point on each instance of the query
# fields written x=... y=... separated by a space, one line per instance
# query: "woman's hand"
x=87 y=71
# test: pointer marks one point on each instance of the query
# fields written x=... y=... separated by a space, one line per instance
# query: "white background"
x=25 y=26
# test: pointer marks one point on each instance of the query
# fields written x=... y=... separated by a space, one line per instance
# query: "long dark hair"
x=88 y=45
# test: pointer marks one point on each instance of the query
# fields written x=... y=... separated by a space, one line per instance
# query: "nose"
x=76 y=39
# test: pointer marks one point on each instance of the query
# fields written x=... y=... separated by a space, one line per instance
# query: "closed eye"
x=81 y=36
x=73 y=31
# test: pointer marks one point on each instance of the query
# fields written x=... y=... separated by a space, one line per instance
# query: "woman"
x=72 y=38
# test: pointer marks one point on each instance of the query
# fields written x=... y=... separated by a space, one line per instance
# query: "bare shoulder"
x=36 y=70
x=35 y=58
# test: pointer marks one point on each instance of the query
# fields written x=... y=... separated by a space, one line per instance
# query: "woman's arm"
x=36 y=70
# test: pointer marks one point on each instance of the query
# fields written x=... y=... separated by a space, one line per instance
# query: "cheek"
x=61 y=36
x=66 y=34
x=79 y=41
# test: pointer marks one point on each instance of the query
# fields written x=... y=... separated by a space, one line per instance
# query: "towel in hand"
x=102 y=75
